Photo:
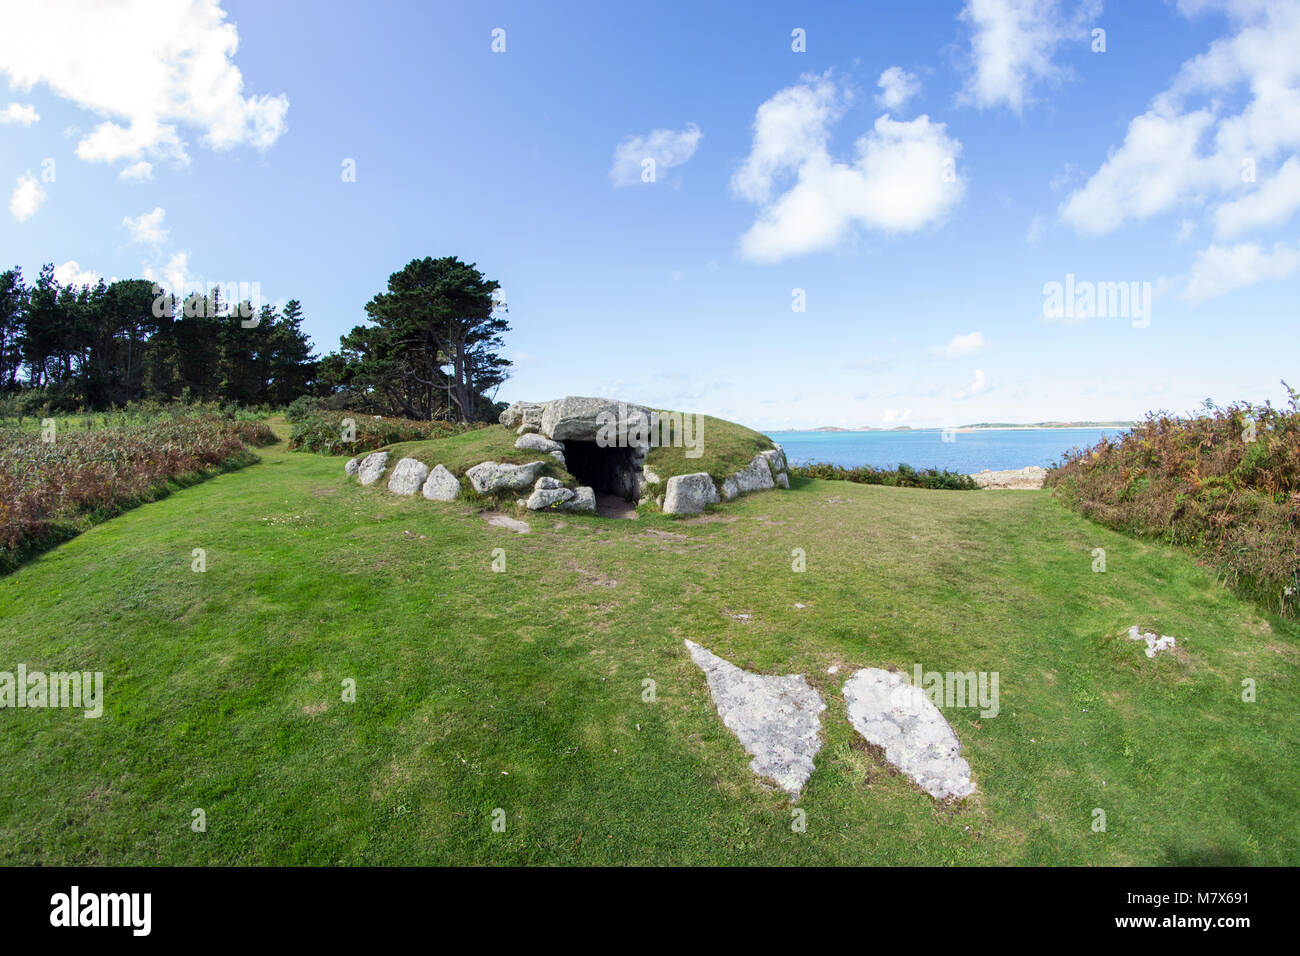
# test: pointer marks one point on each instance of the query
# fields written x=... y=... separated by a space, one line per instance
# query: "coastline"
x=959 y=429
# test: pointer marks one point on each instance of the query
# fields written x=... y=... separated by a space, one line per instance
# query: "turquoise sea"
x=968 y=452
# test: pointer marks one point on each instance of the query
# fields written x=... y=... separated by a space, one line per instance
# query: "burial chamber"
x=607 y=470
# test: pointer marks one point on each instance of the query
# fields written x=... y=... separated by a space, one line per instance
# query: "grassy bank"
x=523 y=690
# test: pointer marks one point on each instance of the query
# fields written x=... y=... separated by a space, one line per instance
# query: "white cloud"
x=961 y=345
x=1012 y=46
x=1219 y=269
x=902 y=177
x=22 y=115
x=978 y=385
x=1269 y=206
x=1185 y=229
x=147 y=228
x=1182 y=153
x=895 y=415
x=137 y=172
x=666 y=147
x=70 y=273
x=174 y=276
x=27 y=197
x=148 y=67
x=1157 y=168
x=897 y=86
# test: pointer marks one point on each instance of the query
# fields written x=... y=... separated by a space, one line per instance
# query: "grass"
x=725 y=448
x=523 y=690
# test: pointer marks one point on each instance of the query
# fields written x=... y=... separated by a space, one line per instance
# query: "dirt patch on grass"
x=612 y=506
x=592 y=578
x=664 y=535
x=712 y=519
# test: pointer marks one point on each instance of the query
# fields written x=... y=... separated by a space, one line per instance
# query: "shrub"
x=302 y=407
x=50 y=491
x=326 y=432
x=1224 y=483
x=904 y=476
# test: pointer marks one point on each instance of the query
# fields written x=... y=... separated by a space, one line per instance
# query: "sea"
x=967 y=451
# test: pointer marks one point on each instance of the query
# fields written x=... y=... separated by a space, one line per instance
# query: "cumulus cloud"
x=1222 y=268
x=27 y=197
x=897 y=86
x=1182 y=152
x=175 y=276
x=22 y=115
x=665 y=147
x=1013 y=43
x=896 y=415
x=70 y=273
x=1221 y=140
x=975 y=387
x=147 y=228
x=961 y=345
x=1269 y=206
x=901 y=179
x=137 y=172
x=148 y=67
x=1157 y=167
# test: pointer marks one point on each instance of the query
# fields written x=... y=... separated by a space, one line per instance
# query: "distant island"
x=978 y=426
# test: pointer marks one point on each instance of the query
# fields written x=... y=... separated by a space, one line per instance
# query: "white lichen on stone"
x=891 y=713
x=774 y=718
x=1155 y=644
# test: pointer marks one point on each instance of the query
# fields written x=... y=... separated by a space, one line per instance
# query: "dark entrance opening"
x=611 y=471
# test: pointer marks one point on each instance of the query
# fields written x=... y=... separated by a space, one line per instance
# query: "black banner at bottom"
x=334 y=905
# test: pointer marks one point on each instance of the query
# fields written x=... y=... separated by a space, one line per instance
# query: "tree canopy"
x=433 y=348
x=95 y=347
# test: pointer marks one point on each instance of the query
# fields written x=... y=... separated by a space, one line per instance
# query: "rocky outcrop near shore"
x=1031 y=478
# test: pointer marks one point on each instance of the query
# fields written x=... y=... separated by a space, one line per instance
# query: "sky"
x=846 y=214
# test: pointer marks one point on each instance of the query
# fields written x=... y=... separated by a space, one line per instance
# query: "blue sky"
x=1010 y=156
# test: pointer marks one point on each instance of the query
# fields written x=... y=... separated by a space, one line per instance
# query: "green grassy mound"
x=725 y=448
x=525 y=689
x=461 y=452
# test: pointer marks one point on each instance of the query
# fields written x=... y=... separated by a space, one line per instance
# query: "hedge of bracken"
x=51 y=490
x=1224 y=483
x=904 y=476
x=352 y=433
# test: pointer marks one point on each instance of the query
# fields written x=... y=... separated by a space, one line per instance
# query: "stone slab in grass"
x=408 y=477
x=372 y=467
x=491 y=476
x=892 y=713
x=533 y=442
x=505 y=521
x=774 y=718
x=442 y=485
x=689 y=494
